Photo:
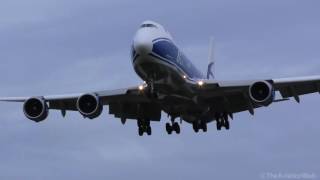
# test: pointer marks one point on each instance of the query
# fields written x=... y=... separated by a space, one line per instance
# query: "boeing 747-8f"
x=172 y=85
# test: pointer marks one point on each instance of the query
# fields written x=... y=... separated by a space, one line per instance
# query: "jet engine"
x=36 y=109
x=89 y=105
x=262 y=93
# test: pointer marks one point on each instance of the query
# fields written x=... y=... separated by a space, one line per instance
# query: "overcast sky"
x=54 y=47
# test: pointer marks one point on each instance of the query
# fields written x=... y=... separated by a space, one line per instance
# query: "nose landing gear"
x=197 y=125
x=144 y=127
x=222 y=121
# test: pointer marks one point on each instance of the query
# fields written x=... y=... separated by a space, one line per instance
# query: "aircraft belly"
x=171 y=76
x=160 y=71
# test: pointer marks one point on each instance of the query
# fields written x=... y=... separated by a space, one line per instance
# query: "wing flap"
x=296 y=90
x=232 y=103
x=294 y=87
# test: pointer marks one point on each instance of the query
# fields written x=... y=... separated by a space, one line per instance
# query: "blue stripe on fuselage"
x=172 y=64
x=165 y=50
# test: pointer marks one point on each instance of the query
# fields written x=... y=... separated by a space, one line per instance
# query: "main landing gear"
x=144 y=127
x=197 y=125
x=173 y=126
x=222 y=121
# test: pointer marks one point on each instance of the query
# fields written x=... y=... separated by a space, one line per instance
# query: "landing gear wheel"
x=176 y=127
x=144 y=127
x=168 y=128
x=219 y=125
x=204 y=127
x=227 y=125
x=195 y=127
x=140 y=131
x=149 y=131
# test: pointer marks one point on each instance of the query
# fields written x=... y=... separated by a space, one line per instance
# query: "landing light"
x=141 y=87
x=200 y=83
x=184 y=77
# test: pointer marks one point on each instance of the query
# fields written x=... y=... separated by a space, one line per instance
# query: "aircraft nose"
x=142 y=45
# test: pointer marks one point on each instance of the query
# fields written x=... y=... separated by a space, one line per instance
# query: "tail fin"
x=211 y=64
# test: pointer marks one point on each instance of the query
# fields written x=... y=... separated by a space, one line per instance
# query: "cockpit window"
x=148 y=25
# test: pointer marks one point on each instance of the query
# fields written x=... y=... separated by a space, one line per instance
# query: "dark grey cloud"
x=49 y=47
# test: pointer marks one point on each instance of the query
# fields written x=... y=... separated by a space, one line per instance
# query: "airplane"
x=172 y=84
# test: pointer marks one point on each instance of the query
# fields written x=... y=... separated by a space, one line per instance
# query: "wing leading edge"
x=127 y=103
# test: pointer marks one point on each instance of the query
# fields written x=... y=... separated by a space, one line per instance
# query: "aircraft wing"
x=128 y=103
x=224 y=96
x=234 y=96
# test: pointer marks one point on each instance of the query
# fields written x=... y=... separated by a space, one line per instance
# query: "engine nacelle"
x=262 y=93
x=36 y=109
x=89 y=105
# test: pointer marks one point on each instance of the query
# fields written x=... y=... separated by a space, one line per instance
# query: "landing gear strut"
x=144 y=127
x=173 y=126
x=197 y=125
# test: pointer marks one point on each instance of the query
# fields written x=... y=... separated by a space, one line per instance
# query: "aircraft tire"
x=219 y=125
x=204 y=126
x=149 y=131
x=168 y=128
x=227 y=125
x=195 y=127
x=140 y=131
x=176 y=128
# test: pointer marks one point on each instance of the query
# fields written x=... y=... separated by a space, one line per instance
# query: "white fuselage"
x=156 y=58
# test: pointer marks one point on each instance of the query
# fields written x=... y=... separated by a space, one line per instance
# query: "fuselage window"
x=166 y=50
x=148 y=25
